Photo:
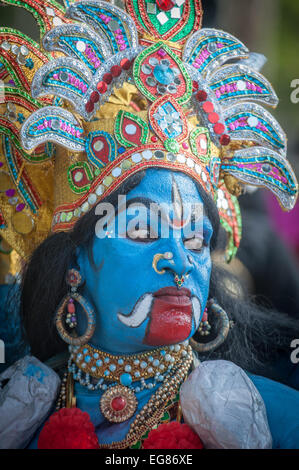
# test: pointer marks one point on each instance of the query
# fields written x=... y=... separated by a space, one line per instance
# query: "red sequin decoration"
x=165 y=5
x=194 y=85
x=224 y=139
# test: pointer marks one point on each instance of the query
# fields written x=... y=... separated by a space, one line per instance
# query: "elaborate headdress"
x=110 y=93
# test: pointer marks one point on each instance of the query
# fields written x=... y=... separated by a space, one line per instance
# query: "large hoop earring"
x=74 y=279
x=222 y=332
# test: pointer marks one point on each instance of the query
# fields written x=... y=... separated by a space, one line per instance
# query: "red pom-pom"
x=201 y=95
x=219 y=128
x=102 y=87
x=94 y=97
x=115 y=71
x=125 y=64
x=68 y=428
x=172 y=436
x=213 y=117
x=107 y=78
x=208 y=107
x=89 y=106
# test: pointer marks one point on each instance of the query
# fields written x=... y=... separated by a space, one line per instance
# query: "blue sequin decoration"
x=14 y=173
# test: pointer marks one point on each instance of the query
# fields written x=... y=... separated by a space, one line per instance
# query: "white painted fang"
x=139 y=313
x=196 y=310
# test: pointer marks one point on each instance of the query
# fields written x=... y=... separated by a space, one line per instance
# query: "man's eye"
x=194 y=244
x=142 y=235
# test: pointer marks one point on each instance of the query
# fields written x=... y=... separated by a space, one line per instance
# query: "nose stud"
x=158 y=256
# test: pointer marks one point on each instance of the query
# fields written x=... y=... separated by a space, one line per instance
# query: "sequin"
x=163 y=74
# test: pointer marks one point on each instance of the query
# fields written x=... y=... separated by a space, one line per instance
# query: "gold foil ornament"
x=22 y=223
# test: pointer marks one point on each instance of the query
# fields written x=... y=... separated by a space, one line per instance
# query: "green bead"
x=172 y=145
x=126 y=164
x=63 y=217
x=108 y=180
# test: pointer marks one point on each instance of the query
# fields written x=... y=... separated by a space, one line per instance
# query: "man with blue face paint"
x=142 y=317
x=139 y=308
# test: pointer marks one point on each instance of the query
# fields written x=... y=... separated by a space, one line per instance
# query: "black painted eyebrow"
x=135 y=200
x=146 y=202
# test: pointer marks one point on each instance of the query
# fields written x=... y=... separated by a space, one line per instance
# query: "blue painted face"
x=138 y=308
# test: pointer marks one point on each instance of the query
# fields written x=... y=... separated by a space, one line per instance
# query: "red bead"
x=71 y=307
x=219 y=128
x=118 y=403
x=224 y=139
x=201 y=95
x=107 y=78
x=89 y=106
x=204 y=316
x=154 y=138
x=94 y=97
x=208 y=107
x=213 y=118
x=115 y=70
x=102 y=87
x=164 y=5
x=125 y=64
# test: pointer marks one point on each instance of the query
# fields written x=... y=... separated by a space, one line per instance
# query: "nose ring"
x=167 y=255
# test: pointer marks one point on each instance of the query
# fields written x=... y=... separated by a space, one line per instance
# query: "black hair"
x=44 y=278
x=258 y=335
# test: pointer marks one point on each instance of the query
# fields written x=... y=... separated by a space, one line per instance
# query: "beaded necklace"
x=155 y=411
x=121 y=377
x=125 y=369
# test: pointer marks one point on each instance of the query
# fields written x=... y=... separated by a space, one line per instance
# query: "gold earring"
x=74 y=280
x=223 y=330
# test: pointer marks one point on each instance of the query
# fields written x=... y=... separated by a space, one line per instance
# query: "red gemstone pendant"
x=118 y=404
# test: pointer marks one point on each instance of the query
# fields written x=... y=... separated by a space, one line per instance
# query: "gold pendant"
x=118 y=404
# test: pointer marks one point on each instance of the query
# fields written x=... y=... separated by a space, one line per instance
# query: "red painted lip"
x=172 y=291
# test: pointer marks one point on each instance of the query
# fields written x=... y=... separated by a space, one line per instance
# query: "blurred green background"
x=269 y=27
